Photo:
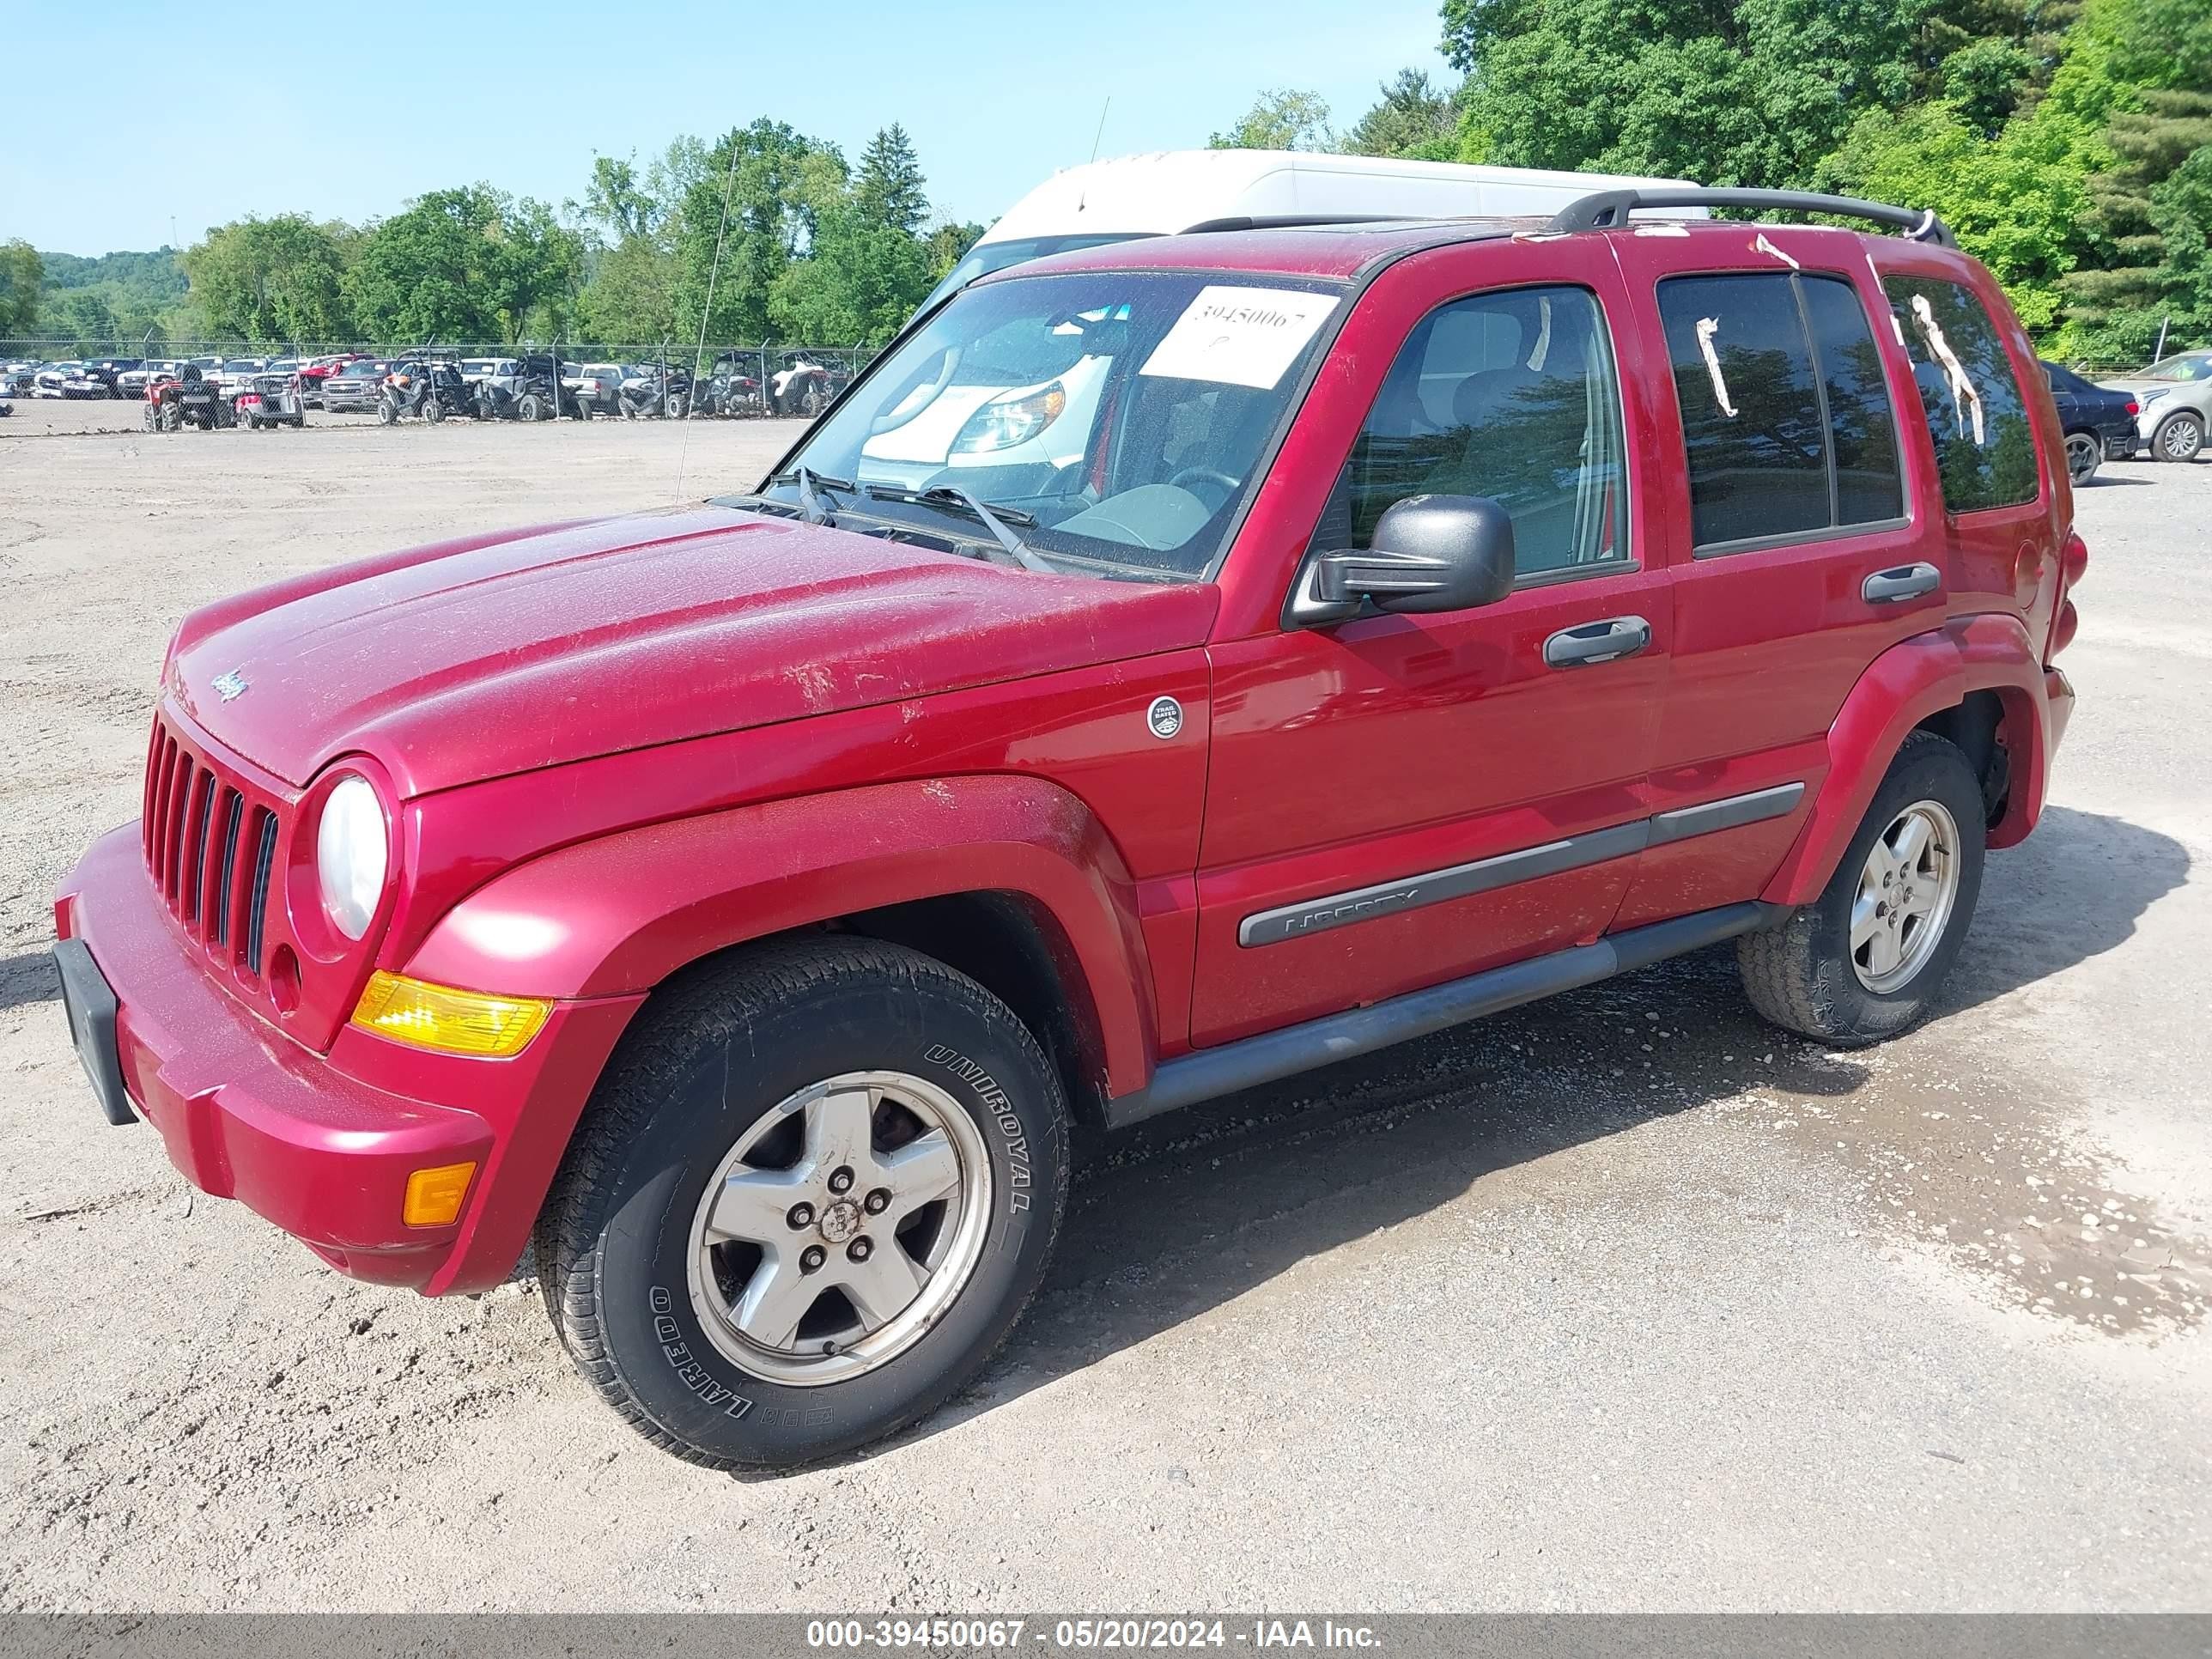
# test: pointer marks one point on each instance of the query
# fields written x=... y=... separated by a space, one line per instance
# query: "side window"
x=1509 y=395
x=1984 y=445
x=1786 y=419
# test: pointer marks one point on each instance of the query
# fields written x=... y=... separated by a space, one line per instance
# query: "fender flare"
x=616 y=916
x=1911 y=681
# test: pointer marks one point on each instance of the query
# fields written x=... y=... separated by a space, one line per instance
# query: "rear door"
x=1799 y=553
x=1397 y=800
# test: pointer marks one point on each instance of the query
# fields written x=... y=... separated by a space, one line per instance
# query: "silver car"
x=2176 y=395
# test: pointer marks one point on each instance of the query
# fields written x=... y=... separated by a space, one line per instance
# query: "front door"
x=1396 y=800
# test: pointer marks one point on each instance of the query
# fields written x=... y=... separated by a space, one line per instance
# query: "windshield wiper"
x=811 y=506
x=995 y=519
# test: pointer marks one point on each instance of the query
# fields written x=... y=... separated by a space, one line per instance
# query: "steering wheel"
x=1207 y=475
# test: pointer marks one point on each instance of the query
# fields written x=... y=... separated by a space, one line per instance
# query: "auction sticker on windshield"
x=1239 y=336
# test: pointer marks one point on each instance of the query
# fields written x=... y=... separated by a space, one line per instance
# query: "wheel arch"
x=1009 y=880
x=1977 y=682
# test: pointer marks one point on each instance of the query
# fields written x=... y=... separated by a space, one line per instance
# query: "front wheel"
x=2180 y=437
x=387 y=411
x=433 y=410
x=810 y=1197
x=2083 y=452
x=1865 y=960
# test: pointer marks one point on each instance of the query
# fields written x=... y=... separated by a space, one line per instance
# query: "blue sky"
x=995 y=95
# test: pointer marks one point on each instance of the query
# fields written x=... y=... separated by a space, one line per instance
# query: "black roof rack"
x=1608 y=210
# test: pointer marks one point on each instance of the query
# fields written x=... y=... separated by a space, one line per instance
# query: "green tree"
x=1726 y=91
x=633 y=295
x=947 y=246
x=888 y=187
x=1281 y=118
x=467 y=265
x=618 y=202
x=84 y=317
x=272 y=279
x=2145 y=66
x=2018 y=202
x=22 y=275
x=860 y=282
x=773 y=180
x=1413 y=119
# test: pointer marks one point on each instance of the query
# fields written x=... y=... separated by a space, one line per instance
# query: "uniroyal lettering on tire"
x=786 y=1141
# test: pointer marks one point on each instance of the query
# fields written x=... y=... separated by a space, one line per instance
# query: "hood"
x=473 y=659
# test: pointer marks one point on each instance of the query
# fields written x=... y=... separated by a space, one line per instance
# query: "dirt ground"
x=1622 y=1301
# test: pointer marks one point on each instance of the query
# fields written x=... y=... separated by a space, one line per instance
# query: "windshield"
x=2197 y=365
x=985 y=258
x=1122 y=414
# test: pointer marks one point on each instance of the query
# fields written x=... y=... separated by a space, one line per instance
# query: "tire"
x=2083 y=452
x=1805 y=976
x=528 y=407
x=727 y=1055
x=433 y=410
x=153 y=418
x=387 y=411
x=2180 y=437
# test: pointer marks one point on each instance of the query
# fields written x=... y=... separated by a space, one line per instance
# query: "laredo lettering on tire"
x=811 y=1195
x=1865 y=960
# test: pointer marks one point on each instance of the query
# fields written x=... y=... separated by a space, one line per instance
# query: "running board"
x=1275 y=1055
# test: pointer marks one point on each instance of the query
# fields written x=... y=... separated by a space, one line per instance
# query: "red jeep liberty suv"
x=1170 y=667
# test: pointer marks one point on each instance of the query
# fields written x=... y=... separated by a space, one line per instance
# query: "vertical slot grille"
x=233 y=819
x=201 y=808
x=264 y=856
x=210 y=850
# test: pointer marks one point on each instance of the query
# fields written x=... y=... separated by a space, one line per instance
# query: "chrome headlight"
x=1010 y=419
x=352 y=853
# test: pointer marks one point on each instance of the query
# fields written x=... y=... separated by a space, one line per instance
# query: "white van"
x=1160 y=195
x=1170 y=191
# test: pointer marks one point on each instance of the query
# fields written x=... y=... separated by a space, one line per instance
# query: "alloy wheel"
x=840 y=1228
x=1907 y=890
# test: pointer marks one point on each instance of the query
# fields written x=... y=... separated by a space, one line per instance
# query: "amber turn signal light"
x=451 y=1021
x=434 y=1197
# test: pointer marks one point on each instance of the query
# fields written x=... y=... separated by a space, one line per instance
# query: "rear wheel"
x=2083 y=452
x=527 y=407
x=2180 y=437
x=1865 y=960
x=811 y=1195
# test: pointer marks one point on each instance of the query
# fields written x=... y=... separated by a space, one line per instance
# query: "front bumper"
x=322 y=1145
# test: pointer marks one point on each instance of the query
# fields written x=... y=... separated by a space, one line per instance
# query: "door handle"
x=1904 y=581
x=1597 y=641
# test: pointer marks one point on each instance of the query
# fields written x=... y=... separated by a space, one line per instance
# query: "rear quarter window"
x=1984 y=442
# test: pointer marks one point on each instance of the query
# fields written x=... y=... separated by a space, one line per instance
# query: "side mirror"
x=1430 y=553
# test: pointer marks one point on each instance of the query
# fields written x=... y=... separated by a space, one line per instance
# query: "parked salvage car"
x=356 y=386
x=737 y=906
x=2176 y=395
x=594 y=388
x=109 y=371
x=2099 y=422
x=133 y=382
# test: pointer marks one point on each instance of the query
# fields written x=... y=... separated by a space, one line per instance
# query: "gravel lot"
x=1624 y=1301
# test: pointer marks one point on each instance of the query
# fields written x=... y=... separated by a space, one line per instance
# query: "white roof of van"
x=1170 y=190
